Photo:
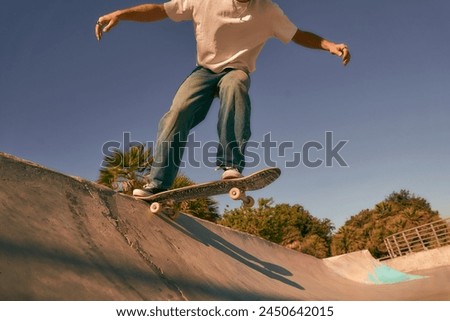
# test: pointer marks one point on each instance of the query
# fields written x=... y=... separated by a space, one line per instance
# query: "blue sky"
x=63 y=95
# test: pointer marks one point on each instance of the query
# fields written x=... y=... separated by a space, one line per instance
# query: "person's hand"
x=341 y=50
x=105 y=23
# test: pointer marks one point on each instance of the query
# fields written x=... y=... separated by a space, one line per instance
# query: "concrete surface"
x=429 y=259
x=362 y=267
x=64 y=238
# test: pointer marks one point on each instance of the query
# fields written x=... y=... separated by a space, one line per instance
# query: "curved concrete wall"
x=65 y=238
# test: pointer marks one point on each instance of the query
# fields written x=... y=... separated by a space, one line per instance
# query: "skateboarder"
x=230 y=35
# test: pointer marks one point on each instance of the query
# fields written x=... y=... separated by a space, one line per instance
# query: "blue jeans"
x=189 y=107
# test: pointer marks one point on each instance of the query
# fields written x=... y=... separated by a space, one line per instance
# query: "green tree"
x=288 y=225
x=368 y=229
x=125 y=171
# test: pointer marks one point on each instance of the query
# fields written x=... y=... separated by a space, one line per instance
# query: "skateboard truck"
x=234 y=193
x=237 y=194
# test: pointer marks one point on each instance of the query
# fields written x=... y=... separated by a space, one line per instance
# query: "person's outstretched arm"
x=141 y=13
x=313 y=41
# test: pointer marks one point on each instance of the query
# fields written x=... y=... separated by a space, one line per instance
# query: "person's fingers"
x=346 y=58
x=104 y=24
x=345 y=55
x=98 y=31
x=111 y=23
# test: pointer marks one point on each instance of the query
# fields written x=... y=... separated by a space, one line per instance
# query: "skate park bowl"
x=66 y=238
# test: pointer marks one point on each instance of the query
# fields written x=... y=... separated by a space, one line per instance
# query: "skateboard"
x=236 y=188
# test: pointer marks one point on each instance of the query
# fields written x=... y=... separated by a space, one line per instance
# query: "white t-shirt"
x=229 y=33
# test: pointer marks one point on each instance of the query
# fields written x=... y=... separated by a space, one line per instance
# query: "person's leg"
x=234 y=119
x=189 y=107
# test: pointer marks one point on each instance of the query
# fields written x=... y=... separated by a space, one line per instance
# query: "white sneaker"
x=147 y=190
x=231 y=173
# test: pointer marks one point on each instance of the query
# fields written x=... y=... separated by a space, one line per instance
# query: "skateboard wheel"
x=235 y=193
x=248 y=201
x=155 y=208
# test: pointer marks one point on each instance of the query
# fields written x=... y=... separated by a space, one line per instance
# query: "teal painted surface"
x=385 y=275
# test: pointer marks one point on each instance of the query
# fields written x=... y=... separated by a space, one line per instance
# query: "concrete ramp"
x=65 y=238
x=362 y=267
x=429 y=259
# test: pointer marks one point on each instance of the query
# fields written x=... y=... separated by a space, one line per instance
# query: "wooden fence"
x=421 y=238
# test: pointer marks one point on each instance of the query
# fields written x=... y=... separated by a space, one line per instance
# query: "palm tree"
x=125 y=171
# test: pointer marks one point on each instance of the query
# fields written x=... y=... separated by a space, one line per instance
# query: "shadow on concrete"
x=116 y=274
x=192 y=228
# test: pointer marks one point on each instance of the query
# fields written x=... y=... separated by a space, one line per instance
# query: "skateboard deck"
x=236 y=189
